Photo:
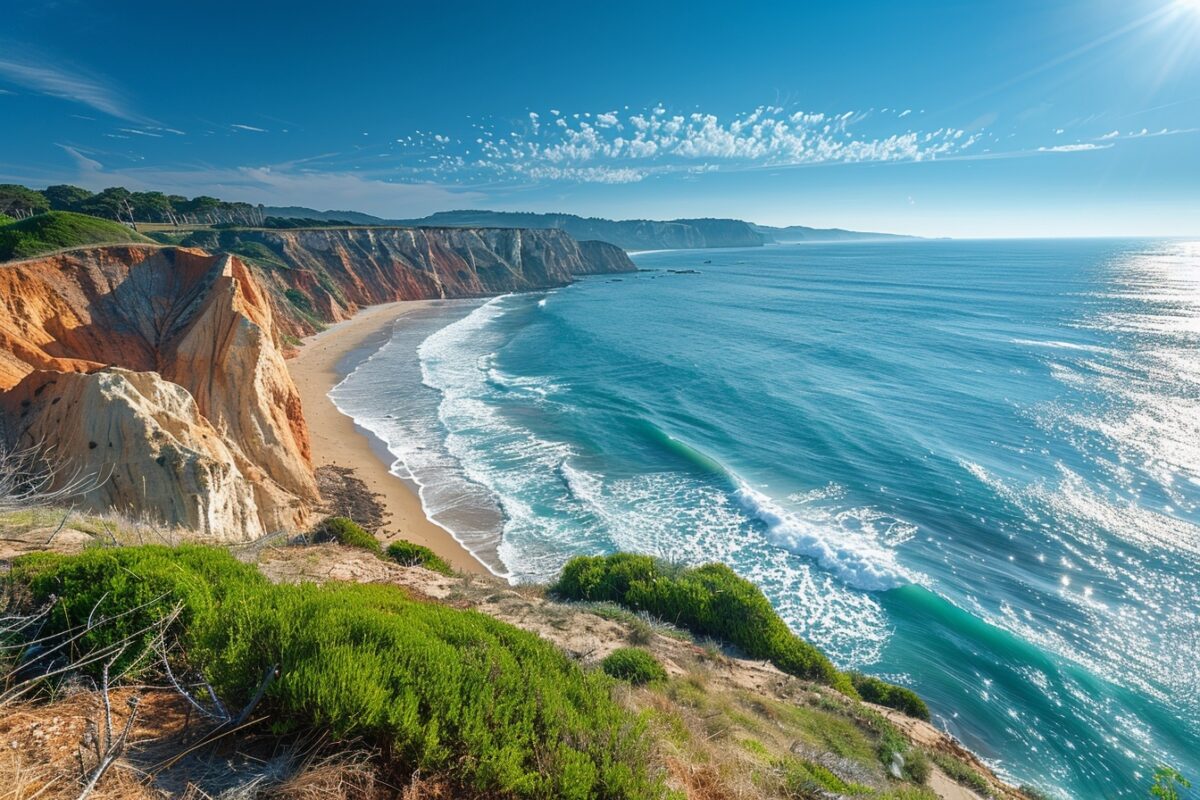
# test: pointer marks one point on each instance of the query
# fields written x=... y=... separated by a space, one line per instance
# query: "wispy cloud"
x=1082 y=147
x=57 y=81
x=250 y=128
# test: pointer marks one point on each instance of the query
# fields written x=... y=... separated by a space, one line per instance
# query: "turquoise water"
x=969 y=467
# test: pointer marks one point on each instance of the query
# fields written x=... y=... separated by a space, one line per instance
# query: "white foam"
x=858 y=560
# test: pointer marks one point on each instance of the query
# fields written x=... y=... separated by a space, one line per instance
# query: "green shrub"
x=633 y=664
x=5 y=219
x=55 y=230
x=874 y=690
x=347 y=532
x=415 y=555
x=709 y=601
x=130 y=589
x=452 y=693
x=916 y=766
x=962 y=772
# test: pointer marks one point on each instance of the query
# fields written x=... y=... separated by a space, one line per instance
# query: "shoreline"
x=321 y=362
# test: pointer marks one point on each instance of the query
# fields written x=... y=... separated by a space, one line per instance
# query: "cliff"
x=325 y=275
x=157 y=371
x=633 y=234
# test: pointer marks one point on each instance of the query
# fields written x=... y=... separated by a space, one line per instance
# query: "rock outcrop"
x=157 y=370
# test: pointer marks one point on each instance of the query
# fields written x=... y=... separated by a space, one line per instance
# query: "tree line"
x=121 y=205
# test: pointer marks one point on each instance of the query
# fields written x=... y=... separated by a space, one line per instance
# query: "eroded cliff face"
x=325 y=275
x=160 y=371
x=157 y=370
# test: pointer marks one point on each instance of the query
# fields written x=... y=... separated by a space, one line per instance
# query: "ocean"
x=969 y=467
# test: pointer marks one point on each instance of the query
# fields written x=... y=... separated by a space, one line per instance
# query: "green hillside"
x=56 y=230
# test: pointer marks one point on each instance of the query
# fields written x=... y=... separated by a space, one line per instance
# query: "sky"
x=931 y=117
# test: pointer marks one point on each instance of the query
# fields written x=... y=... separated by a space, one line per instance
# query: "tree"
x=65 y=197
x=112 y=203
x=20 y=202
x=151 y=207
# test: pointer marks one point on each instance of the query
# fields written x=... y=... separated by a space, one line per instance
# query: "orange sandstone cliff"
x=159 y=369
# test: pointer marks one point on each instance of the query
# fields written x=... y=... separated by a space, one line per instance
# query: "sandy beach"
x=337 y=441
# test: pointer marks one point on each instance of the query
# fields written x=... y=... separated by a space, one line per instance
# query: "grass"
x=962 y=773
x=56 y=230
x=633 y=664
x=452 y=693
x=347 y=532
x=414 y=555
x=807 y=779
x=709 y=601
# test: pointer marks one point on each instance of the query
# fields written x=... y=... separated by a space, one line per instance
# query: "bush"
x=633 y=664
x=873 y=690
x=452 y=693
x=347 y=532
x=415 y=555
x=916 y=764
x=708 y=601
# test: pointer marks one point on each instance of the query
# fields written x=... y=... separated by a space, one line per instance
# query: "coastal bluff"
x=160 y=370
x=322 y=275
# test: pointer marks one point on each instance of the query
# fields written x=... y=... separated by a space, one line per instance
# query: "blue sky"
x=971 y=118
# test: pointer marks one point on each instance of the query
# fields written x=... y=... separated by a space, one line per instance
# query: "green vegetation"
x=121 y=205
x=299 y=299
x=915 y=763
x=807 y=779
x=874 y=690
x=962 y=773
x=633 y=664
x=709 y=601
x=348 y=532
x=454 y=694
x=415 y=555
x=55 y=230
x=20 y=202
x=1167 y=783
x=5 y=219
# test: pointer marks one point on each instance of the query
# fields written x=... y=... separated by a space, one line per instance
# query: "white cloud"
x=56 y=81
x=627 y=146
x=251 y=128
x=1074 y=148
x=1110 y=135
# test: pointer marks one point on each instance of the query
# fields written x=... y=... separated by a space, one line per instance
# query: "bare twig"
x=114 y=750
